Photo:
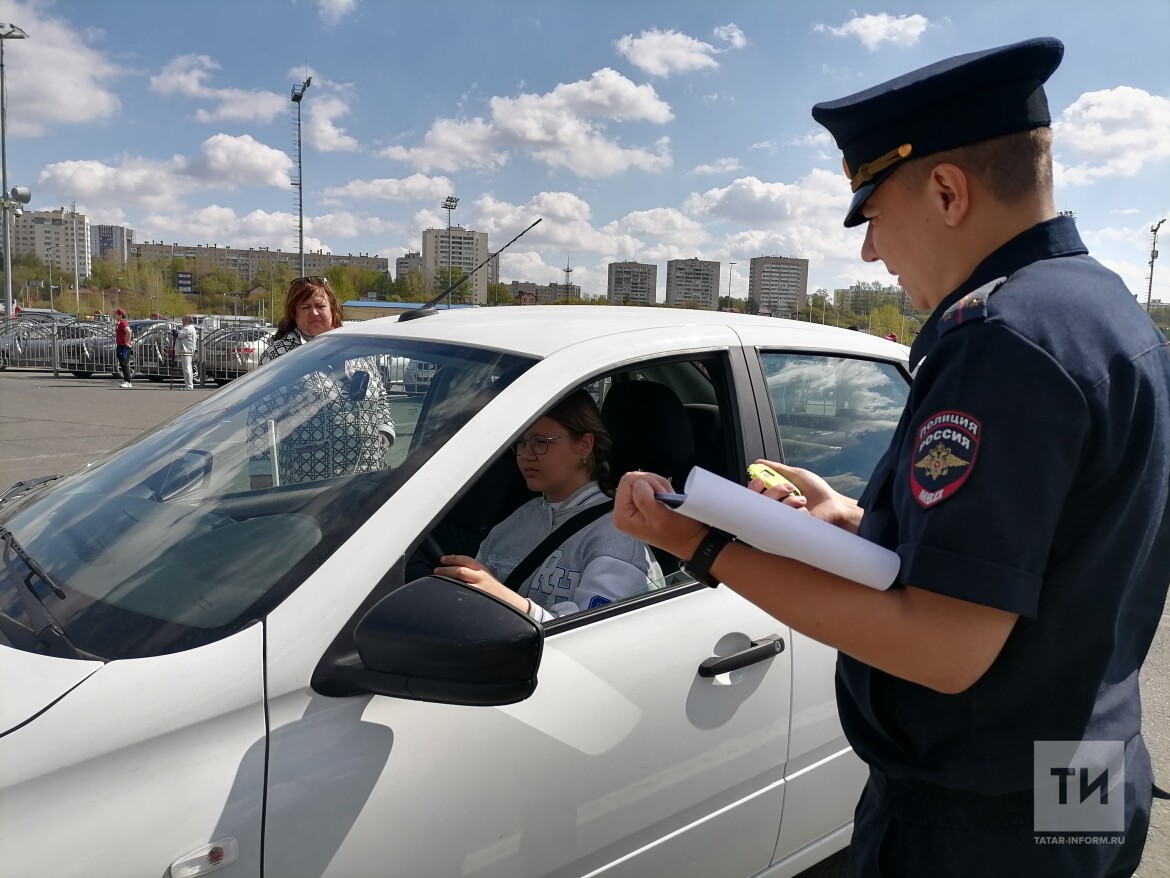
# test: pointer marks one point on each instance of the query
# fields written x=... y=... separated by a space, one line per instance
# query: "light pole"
x=49 y=259
x=298 y=92
x=1153 y=256
x=449 y=204
x=8 y=31
x=730 y=266
x=76 y=268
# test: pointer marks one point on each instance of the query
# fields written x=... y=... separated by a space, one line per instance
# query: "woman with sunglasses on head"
x=330 y=423
x=310 y=309
x=564 y=457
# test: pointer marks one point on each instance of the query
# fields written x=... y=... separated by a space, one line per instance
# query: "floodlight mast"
x=298 y=92
x=8 y=31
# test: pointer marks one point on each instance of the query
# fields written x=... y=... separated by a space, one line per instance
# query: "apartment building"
x=462 y=250
x=526 y=293
x=403 y=265
x=692 y=281
x=777 y=285
x=632 y=283
x=246 y=263
x=111 y=242
x=60 y=237
x=861 y=298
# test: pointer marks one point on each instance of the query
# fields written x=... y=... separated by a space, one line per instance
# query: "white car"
x=202 y=676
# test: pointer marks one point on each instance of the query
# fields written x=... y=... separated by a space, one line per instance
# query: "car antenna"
x=429 y=308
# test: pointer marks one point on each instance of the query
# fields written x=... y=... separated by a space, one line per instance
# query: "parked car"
x=97 y=353
x=50 y=315
x=154 y=354
x=202 y=674
x=228 y=353
x=27 y=343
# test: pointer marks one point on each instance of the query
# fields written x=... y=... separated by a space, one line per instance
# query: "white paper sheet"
x=777 y=529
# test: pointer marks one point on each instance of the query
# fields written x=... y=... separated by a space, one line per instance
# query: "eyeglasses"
x=539 y=444
x=310 y=280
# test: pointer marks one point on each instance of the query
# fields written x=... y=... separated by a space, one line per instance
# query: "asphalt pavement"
x=52 y=426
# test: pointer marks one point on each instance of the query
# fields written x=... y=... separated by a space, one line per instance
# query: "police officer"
x=993 y=690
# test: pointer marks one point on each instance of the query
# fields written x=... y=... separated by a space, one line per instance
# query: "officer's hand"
x=636 y=512
x=819 y=500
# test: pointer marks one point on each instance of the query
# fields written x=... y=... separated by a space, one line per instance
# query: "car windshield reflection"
x=191 y=532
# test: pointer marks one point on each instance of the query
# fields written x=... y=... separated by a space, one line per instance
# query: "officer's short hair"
x=1012 y=167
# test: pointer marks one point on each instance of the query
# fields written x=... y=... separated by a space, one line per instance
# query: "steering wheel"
x=431 y=551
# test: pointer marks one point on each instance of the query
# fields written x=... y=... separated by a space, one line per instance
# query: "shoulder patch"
x=946 y=445
x=970 y=308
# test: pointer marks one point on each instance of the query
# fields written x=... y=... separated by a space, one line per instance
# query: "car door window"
x=834 y=415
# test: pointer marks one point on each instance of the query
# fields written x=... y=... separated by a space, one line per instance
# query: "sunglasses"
x=310 y=280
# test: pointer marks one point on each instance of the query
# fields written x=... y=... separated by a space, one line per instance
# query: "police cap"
x=961 y=100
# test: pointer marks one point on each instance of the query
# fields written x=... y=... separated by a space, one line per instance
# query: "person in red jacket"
x=122 y=339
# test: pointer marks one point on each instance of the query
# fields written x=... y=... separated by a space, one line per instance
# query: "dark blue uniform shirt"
x=1030 y=472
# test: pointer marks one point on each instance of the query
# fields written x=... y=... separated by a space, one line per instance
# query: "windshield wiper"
x=21 y=488
x=48 y=631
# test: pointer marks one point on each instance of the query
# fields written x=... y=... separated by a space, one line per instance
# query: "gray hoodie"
x=597 y=565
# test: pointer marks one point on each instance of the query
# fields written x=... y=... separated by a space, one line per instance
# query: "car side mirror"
x=437 y=639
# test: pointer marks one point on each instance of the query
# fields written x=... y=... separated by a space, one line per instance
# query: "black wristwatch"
x=700 y=564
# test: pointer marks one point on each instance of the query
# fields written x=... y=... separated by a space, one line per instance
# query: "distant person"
x=564 y=457
x=891 y=336
x=122 y=339
x=185 y=341
x=310 y=309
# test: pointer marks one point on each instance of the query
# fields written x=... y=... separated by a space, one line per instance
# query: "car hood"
x=33 y=683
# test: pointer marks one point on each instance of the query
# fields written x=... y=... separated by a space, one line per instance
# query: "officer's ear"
x=949 y=190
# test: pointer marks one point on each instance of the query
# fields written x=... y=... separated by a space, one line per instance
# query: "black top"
x=1030 y=472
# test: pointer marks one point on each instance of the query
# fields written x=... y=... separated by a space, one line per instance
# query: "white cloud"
x=189 y=75
x=452 y=145
x=416 y=187
x=661 y=53
x=556 y=128
x=1112 y=133
x=719 y=166
x=224 y=163
x=665 y=224
x=55 y=77
x=802 y=219
x=260 y=228
x=731 y=34
x=873 y=30
x=321 y=129
x=332 y=11
x=567 y=223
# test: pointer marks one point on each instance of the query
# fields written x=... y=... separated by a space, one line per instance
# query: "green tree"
x=499 y=294
x=413 y=287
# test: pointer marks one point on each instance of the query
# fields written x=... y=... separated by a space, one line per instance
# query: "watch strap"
x=708 y=549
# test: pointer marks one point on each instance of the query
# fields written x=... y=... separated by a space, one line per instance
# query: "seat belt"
x=545 y=547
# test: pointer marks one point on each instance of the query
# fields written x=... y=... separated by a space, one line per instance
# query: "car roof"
x=540 y=331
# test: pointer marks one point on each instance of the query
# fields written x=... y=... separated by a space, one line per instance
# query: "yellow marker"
x=770 y=477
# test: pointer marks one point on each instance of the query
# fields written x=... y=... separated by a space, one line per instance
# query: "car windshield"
x=193 y=531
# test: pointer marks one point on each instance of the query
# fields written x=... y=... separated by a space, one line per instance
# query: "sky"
x=642 y=130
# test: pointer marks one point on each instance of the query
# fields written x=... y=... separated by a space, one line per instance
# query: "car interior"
x=663 y=417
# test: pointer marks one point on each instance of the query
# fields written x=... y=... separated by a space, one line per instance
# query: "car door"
x=832 y=411
x=625 y=760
